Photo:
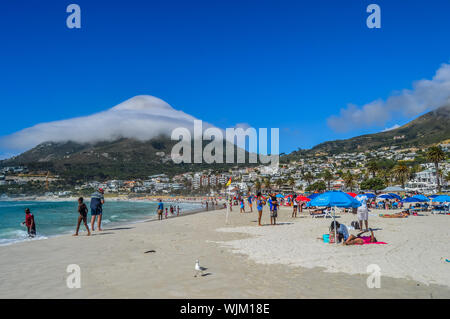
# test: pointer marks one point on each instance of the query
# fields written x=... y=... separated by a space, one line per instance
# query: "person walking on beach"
x=97 y=201
x=274 y=212
x=82 y=210
x=294 y=207
x=250 y=203
x=30 y=223
x=242 y=206
x=259 y=207
x=160 y=210
x=178 y=210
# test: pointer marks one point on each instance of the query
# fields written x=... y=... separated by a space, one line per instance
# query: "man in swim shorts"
x=160 y=210
x=97 y=201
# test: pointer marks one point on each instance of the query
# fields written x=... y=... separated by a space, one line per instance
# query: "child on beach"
x=242 y=206
x=82 y=210
x=294 y=208
x=29 y=223
x=274 y=211
x=259 y=207
x=166 y=212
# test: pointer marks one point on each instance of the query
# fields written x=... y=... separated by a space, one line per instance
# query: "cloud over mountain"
x=425 y=95
x=141 y=117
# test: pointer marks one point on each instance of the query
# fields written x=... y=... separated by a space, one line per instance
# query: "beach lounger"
x=324 y=214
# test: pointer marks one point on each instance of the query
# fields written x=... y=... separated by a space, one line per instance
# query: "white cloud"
x=391 y=128
x=141 y=117
x=425 y=95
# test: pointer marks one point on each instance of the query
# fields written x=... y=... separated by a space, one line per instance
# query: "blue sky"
x=286 y=64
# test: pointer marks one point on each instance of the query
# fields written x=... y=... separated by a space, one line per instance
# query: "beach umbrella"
x=352 y=194
x=395 y=196
x=334 y=198
x=385 y=196
x=433 y=196
x=302 y=198
x=422 y=197
x=314 y=195
x=441 y=199
x=413 y=200
x=280 y=196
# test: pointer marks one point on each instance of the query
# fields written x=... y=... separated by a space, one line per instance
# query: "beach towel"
x=367 y=241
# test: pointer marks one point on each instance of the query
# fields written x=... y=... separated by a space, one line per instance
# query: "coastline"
x=118 y=262
x=106 y=222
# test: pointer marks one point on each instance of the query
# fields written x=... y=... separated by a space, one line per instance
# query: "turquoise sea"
x=56 y=218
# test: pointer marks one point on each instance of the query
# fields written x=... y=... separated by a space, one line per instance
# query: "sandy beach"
x=243 y=260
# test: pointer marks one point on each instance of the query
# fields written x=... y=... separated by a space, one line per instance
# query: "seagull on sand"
x=199 y=269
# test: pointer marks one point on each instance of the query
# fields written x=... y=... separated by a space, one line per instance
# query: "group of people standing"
x=96 y=205
x=271 y=201
x=161 y=212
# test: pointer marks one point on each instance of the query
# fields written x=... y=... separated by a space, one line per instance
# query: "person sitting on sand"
x=29 y=223
x=82 y=210
x=341 y=231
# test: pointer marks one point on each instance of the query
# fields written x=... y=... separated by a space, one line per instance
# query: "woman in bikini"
x=358 y=240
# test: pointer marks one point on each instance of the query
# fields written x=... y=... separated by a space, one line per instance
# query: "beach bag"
x=331 y=238
x=355 y=224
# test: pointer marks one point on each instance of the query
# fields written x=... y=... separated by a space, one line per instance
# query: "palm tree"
x=372 y=167
x=327 y=177
x=435 y=154
x=349 y=180
x=385 y=176
x=401 y=173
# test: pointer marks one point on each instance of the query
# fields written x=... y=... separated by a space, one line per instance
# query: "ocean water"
x=56 y=218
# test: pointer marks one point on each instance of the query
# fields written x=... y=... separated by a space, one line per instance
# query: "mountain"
x=430 y=128
x=122 y=159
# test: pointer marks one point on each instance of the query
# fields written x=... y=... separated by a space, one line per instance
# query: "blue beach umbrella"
x=395 y=196
x=280 y=196
x=413 y=200
x=386 y=196
x=442 y=199
x=314 y=195
x=422 y=197
x=336 y=199
x=433 y=196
